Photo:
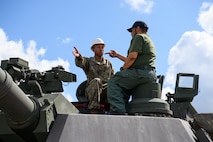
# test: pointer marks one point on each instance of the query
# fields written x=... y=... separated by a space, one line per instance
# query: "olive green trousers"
x=120 y=86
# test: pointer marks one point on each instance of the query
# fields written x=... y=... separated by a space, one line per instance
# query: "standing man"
x=138 y=68
x=98 y=70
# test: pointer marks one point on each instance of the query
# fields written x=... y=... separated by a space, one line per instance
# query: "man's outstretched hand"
x=112 y=53
x=75 y=52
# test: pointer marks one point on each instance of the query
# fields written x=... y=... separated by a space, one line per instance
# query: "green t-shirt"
x=142 y=44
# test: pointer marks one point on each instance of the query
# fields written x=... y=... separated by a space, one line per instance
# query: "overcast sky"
x=44 y=33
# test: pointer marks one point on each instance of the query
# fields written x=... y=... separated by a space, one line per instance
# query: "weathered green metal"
x=146 y=99
x=186 y=87
x=185 y=90
x=20 y=110
x=32 y=109
x=29 y=117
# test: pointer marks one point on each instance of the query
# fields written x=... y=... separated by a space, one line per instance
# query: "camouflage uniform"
x=98 y=73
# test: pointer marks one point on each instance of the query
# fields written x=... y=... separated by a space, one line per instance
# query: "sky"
x=44 y=32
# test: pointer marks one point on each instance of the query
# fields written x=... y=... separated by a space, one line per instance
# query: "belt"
x=143 y=68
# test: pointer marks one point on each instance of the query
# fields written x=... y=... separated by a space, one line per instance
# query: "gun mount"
x=30 y=100
x=35 y=82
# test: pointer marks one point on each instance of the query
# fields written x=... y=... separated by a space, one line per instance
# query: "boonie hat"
x=141 y=24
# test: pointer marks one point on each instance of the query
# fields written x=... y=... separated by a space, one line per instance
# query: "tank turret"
x=30 y=100
x=32 y=109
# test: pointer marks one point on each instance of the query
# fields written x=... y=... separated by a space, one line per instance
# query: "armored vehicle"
x=33 y=109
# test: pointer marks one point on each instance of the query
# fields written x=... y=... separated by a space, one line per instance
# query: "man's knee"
x=96 y=82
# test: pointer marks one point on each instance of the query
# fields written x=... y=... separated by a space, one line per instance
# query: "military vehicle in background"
x=33 y=109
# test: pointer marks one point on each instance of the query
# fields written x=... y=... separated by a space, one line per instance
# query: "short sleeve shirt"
x=142 y=44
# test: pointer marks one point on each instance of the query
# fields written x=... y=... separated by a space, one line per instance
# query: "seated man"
x=138 y=67
x=98 y=70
